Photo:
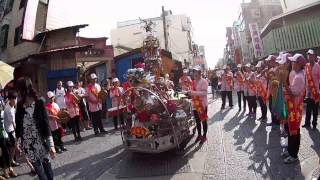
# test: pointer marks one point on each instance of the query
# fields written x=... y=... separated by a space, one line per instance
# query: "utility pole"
x=165 y=29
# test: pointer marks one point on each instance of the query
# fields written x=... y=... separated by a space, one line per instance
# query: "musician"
x=59 y=95
x=73 y=110
x=185 y=81
x=295 y=95
x=199 y=94
x=115 y=95
x=251 y=91
x=239 y=86
x=271 y=77
x=262 y=90
x=53 y=109
x=95 y=106
x=80 y=93
x=312 y=73
x=226 y=87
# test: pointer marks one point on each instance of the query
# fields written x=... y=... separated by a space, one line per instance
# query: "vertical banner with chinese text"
x=256 y=40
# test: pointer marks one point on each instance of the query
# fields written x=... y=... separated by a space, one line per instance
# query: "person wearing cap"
x=262 y=90
x=239 y=86
x=312 y=73
x=52 y=110
x=59 y=95
x=294 y=99
x=80 y=92
x=199 y=95
x=95 y=106
x=272 y=79
x=73 y=110
x=185 y=81
x=226 y=87
x=115 y=95
x=251 y=91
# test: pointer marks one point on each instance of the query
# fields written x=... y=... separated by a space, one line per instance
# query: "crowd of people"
x=33 y=127
x=284 y=83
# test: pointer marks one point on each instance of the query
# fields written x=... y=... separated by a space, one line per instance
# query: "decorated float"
x=156 y=119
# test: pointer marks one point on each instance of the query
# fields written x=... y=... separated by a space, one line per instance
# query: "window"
x=23 y=3
x=4 y=36
x=18 y=36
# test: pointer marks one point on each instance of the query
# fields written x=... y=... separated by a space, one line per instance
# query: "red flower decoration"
x=142 y=116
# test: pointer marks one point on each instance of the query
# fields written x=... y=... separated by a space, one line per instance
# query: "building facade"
x=45 y=55
x=130 y=34
x=296 y=30
x=259 y=12
x=290 y=5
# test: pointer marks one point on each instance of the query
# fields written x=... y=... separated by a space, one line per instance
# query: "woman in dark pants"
x=32 y=128
x=74 y=111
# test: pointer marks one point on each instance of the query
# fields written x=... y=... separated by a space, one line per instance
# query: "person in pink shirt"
x=312 y=69
x=239 y=86
x=53 y=109
x=115 y=95
x=73 y=110
x=200 y=91
x=251 y=91
x=95 y=106
x=295 y=91
x=226 y=87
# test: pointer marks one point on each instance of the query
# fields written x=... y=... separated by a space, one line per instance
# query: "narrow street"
x=237 y=148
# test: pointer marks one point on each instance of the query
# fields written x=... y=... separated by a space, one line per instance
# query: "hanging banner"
x=236 y=37
x=237 y=56
x=256 y=40
x=29 y=22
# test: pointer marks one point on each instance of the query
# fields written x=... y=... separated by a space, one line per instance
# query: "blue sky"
x=209 y=18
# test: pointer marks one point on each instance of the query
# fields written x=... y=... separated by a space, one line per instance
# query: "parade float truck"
x=156 y=119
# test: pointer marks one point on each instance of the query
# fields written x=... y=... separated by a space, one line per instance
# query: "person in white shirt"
x=60 y=92
x=226 y=86
x=10 y=125
x=80 y=92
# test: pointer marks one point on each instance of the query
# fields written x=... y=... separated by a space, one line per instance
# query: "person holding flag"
x=312 y=73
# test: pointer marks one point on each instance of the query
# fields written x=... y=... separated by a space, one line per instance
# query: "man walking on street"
x=226 y=87
x=312 y=73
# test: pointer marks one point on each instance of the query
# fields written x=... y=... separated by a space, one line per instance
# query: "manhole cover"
x=316 y=174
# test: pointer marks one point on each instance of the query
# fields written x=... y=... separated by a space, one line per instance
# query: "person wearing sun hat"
x=199 y=95
x=95 y=106
x=226 y=86
x=312 y=73
x=73 y=110
x=239 y=86
x=294 y=99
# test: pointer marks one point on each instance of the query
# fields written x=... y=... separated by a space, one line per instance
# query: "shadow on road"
x=91 y=167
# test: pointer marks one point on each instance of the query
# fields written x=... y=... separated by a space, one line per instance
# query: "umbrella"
x=6 y=74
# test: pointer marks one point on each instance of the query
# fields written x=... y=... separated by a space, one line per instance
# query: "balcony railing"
x=302 y=35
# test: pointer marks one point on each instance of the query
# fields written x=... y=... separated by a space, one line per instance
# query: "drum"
x=64 y=116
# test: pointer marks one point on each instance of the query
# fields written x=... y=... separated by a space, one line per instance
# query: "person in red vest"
x=73 y=110
x=95 y=106
x=115 y=95
x=199 y=95
x=53 y=109
x=226 y=87
x=294 y=100
x=262 y=91
x=251 y=92
x=239 y=87
x=312 y=73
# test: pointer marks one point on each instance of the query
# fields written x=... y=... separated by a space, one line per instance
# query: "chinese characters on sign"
x=256 y=40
